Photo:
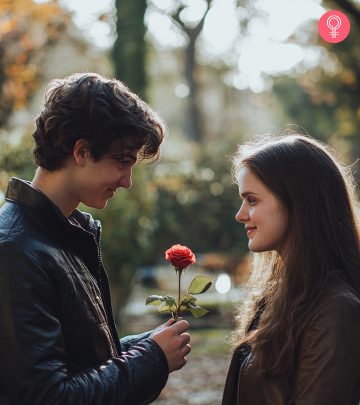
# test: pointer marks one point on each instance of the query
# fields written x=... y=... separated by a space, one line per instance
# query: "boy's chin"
x=97 y=205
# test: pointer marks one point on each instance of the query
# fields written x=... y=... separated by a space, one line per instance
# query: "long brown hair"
x=323 y=241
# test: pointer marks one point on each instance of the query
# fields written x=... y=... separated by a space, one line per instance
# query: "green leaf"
x=165 y=309
x=200 y=284
x=197 y=311
x=170 y=301
x=187 y=298
x=169 y=304
x=154 y=300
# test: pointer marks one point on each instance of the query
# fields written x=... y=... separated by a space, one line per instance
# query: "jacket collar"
x=21 y=192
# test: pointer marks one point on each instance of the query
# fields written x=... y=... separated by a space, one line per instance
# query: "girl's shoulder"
x=339 y=303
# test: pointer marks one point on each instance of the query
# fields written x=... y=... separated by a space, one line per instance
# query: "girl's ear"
x=81 y=151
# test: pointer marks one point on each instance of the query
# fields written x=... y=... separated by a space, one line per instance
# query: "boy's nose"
x=126 y=179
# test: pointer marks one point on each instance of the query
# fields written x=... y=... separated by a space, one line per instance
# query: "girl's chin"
x=256 y=248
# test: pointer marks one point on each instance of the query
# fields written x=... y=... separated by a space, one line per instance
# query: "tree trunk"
x=193 y=122
x=129 y=50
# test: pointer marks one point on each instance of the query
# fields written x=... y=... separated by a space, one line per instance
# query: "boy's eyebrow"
x=125 y=156
x=130 y=156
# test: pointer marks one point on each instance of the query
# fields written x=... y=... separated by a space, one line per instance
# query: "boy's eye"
x=121 y=161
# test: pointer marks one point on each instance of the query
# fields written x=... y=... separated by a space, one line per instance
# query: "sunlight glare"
x=223 y=283
x=85 y=15
x=193 y=12
x=182 y=90
x=221 y=27
x=285 y=16
x=163 y=31
x=259 y=54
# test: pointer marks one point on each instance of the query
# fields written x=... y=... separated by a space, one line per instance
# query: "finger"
x=187 y=349
x=180 y=326
x=186 y=337
x=169 y=322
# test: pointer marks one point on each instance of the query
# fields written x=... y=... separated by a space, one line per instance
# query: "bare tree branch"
x=191 y=32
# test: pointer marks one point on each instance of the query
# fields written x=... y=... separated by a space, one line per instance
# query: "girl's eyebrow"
x=246 y=193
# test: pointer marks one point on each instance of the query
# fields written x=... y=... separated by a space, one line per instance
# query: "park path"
x=200 y=382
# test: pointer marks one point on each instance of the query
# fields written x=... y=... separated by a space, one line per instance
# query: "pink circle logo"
x=334 y=26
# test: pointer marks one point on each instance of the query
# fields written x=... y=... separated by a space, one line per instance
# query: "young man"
x=58 y=341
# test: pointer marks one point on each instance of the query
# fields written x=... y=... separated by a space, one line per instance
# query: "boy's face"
x=99 y=180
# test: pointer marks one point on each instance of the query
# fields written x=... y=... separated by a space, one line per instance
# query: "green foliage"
x=129 y=50
x=16 y=160
x=169 y=303
x=298 y=105
x=198 y=285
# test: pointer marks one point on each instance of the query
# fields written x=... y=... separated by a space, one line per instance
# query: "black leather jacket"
x=58 y=341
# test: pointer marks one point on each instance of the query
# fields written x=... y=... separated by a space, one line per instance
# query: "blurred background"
x=219 y=72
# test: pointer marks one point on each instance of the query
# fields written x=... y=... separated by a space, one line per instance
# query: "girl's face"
x=264 y=215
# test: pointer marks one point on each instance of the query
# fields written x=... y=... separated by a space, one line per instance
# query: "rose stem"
x=179 y=290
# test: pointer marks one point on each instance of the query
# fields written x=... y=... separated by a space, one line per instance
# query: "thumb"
x=180 y=326
x=170 y=322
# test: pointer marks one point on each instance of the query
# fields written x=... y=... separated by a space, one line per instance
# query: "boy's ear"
x=81 y=151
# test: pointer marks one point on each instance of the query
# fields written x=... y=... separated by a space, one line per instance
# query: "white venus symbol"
x=333 y=33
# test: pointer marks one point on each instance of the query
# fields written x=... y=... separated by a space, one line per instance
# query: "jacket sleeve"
x=33 y=356
x=328 y=369
x=127 y=342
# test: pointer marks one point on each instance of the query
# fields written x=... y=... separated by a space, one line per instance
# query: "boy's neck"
x=56 y=186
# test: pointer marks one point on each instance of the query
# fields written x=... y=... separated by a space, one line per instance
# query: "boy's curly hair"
x=102 y=111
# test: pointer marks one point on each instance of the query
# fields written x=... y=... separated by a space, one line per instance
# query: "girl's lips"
x=249 y=230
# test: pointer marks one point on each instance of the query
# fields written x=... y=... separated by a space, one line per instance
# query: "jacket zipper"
x=105 y=286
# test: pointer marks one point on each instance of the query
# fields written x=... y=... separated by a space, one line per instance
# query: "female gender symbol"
x=333 y=33
x=337 y=22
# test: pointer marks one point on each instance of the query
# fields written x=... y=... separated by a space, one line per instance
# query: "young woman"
x=298 y=340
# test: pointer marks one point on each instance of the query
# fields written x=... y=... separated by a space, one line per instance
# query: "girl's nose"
x=242 y=215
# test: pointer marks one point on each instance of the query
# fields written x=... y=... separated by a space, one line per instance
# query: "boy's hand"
x=174 y=341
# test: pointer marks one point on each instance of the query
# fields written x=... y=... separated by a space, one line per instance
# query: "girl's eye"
x=251 y=200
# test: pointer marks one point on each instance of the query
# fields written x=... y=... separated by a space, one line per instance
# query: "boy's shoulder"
x=11 y=218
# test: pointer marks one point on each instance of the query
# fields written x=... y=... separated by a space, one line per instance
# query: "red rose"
x=180 y=256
